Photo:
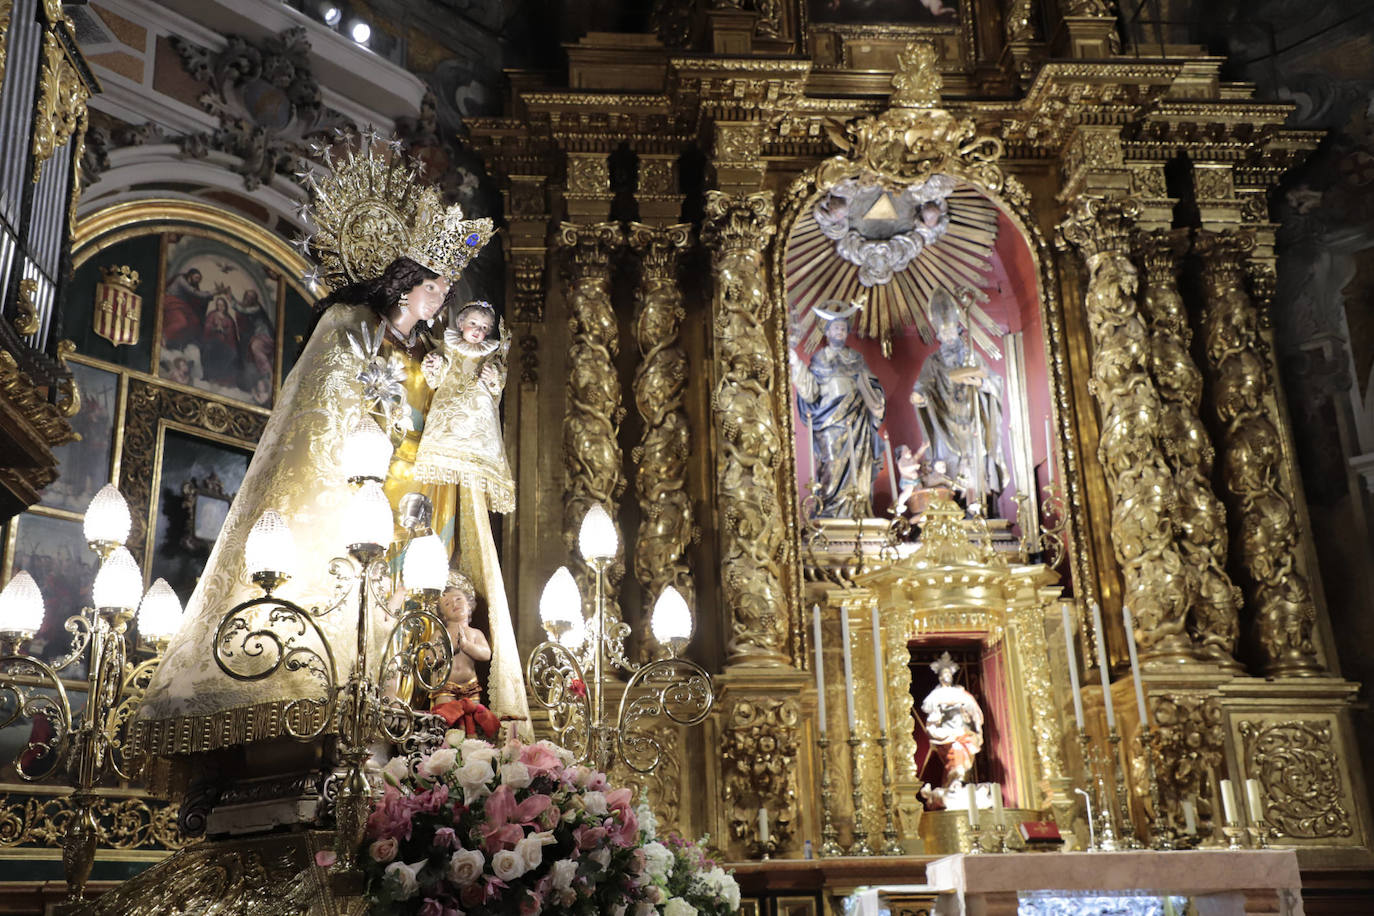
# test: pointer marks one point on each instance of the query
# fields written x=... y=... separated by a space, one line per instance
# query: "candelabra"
x=671 y=687
x=1163 y=835
x=1123 y=799
x=830 y=837
x=1101 y=820
x=859 y=846
x=90 y=744
x=271 y=636
x=890 y=845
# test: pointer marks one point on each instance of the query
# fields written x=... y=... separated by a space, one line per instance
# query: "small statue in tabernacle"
x=959 y=405
x=459 y=701
x=842 y=404
x=954 y=722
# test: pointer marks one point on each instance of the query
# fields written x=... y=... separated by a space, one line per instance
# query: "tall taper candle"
x=1254 y=800
x=1135 y=667
x=763 y=827
x=1100 y=632
x=891 y=469
x=848 y=671
x=820 y=668
x=1228 y=802
x=879 y=672
x=1189 y=817
x=1073 y=668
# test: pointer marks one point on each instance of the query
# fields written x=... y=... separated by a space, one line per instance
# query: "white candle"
x=891 y=468
x=998 y=812
x=879 y=672
x=1189 y=817
x=1101 y=633
x=1049 y=451
x=972 y=804
x=763 y=826
x=1254 y=800
x=1135 y=667
x=1228 y=802
x=820 y=667
x=848 y=672
x=1073 y=668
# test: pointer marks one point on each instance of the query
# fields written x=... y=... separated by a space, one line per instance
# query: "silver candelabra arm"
x=79 y=626
x=558 y=685
x=345 y=573
x=23 y=680
x=258 y=638
x=418 y=646
x=117 y=724
x=677 y=689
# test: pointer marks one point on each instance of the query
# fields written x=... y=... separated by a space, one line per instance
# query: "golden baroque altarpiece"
x=1178 y=492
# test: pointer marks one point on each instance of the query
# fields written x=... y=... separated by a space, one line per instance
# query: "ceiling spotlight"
x=360 y=31
x=331 y=15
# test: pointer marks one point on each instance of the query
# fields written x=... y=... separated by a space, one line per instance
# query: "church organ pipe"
x=667 y=521
x=1132 y=460
x=752 y=545
x=592 y=456
x=1199 y=519
x=1277 y=590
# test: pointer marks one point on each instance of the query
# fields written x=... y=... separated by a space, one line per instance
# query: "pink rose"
x=589 y=837
x=539 y=759
x=445 y=838
x=383 y=850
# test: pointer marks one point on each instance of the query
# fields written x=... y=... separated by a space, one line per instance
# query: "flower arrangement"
x=469 y=829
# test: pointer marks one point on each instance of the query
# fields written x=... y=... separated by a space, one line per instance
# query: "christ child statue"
x=459 y=700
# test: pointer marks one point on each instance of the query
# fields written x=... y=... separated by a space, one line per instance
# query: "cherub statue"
x=459 y=701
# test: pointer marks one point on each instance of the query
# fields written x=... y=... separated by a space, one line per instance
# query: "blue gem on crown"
x=473 y=239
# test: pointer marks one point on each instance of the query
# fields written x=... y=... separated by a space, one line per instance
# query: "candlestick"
x=1100 y=633
x=1135 y=667
x=1049 y=452
x=848 y=669
x=820 y=668
x=860 y=845
x=1073 y=668
x=1126 y=836
x=1254 y=800
x=763 y=829
x=972 y=804
x=879 y=671
x=998 y=812
x=890 y=845
x=1189 y=817
x=830 y=842
x=1228 y=802
x=891 y=470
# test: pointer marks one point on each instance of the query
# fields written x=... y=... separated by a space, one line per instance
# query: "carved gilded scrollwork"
x=124 y=823
x=25 y=311
x=759 y=761
x=62 y=96
x=1129 y=451
x=1263 y=515
x=592 y=456
x=1199 y=521
x=660 y=459
x=1300 y=770
x=1026 y=626
x=31 y=403
x=753 y=546
x=1191 y=735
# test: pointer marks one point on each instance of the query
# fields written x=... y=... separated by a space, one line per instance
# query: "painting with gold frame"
x=53 y=550
x=87 y=463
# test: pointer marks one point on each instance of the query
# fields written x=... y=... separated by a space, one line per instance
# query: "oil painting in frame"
x=86 y=465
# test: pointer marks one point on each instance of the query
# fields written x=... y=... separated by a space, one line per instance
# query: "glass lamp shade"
x=671 y=619
x=366 y=451
x=596 y=540
x=107 y=517
x=270 y=546
x=574 y=636
x=118 y=584
x=560 y=605
x=159 y=615
x=369 y=517
x=21 y=605
x=426 y=564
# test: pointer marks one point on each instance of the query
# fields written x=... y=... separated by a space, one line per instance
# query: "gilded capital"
x=738 y=221
x=658 y=248
x=588 y=246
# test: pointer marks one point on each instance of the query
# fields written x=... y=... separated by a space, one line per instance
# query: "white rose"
x=455 y=737
x=656 y=893
x=730 y=892
x=438 y=763
x=595 y=803
x=465 y=867
x=601 y=856
x=516 y=775
x=645 y=908
x=562 y=873
x=396 y=769
x=403 y=877
x=531 y=848
x=508 y=865
x=477 y=749
x=474 y=776
x=676 y=906
x=658 y=860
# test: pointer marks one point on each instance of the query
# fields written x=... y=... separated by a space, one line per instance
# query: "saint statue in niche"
x=842 y=405
x=958 y=403
x=954 y=722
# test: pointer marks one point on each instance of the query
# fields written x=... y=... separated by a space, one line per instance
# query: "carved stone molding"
x=592 y=457
x=1129 y=450
x=759 y=763
x=753 y=525
x=1199 y=519
x=1262 y=511
x=667 y=523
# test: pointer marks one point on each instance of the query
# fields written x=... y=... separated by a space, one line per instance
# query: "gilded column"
x=1129 y=450
x=752 y=529
x=660 y=459
x=1199 y=520
x=592 y=456
x=1263 y=514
